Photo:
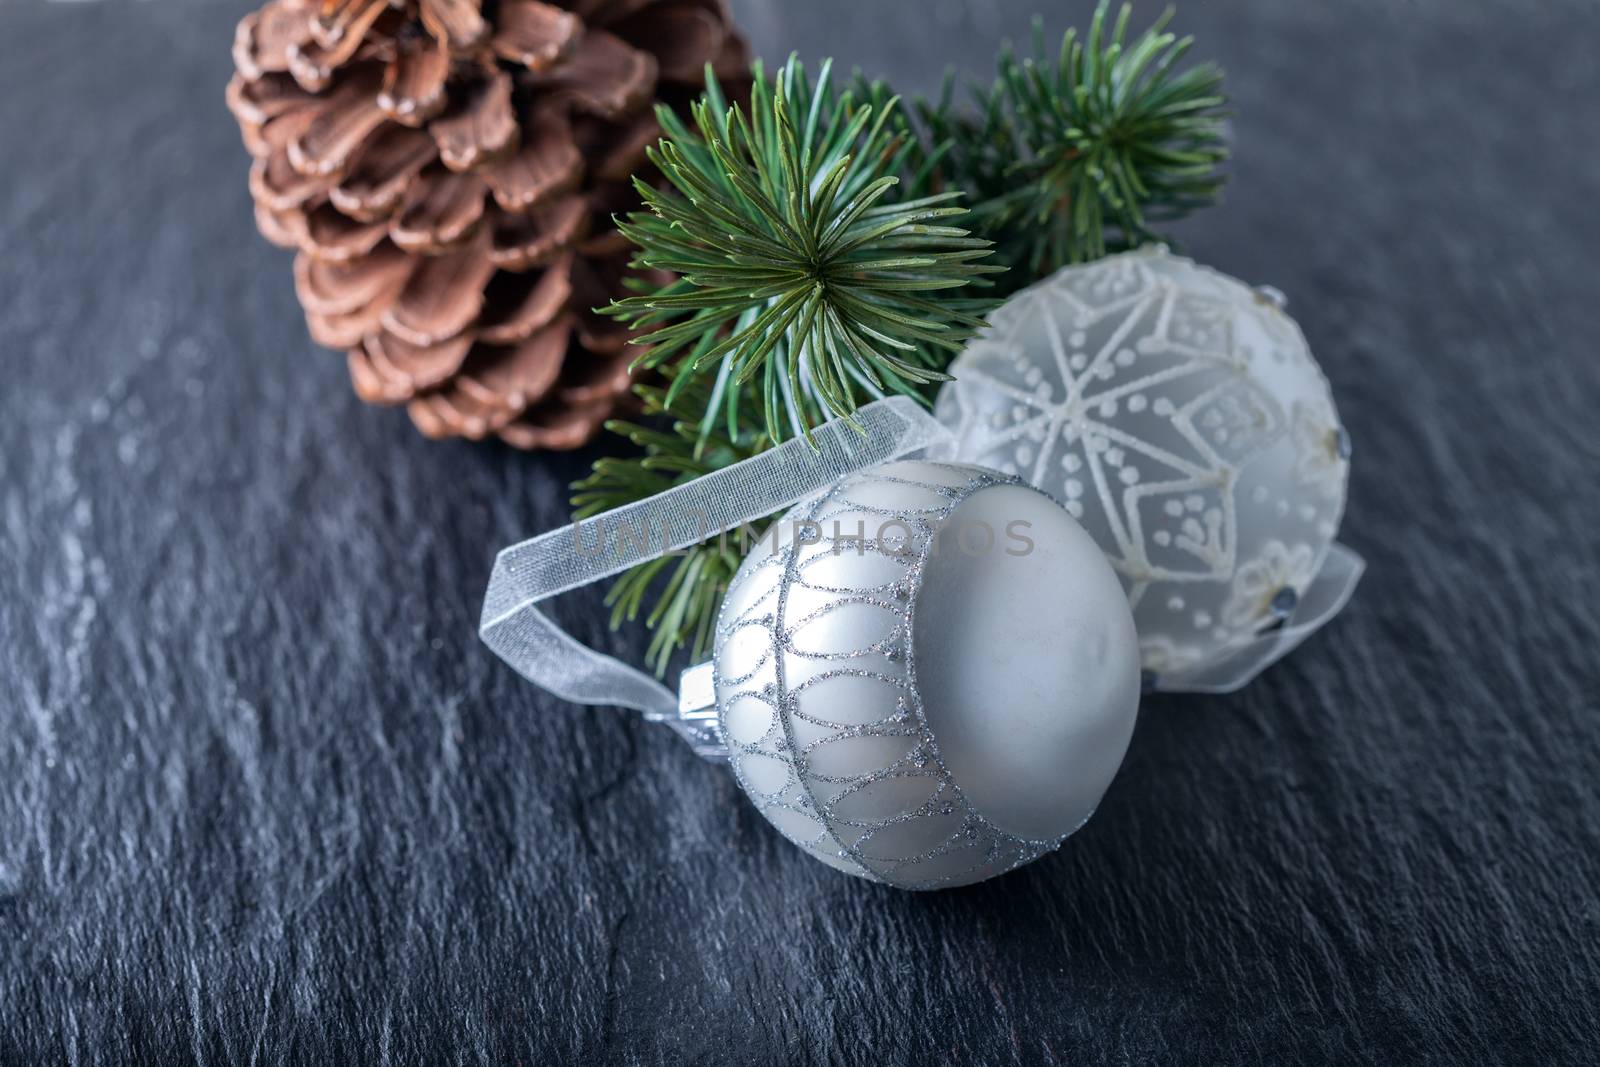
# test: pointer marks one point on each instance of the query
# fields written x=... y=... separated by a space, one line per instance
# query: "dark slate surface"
x=264 y=798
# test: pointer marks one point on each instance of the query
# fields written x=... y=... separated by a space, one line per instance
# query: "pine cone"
x=447 y=171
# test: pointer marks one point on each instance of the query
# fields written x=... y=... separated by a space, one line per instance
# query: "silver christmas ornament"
x=1179 y=416
x=926 y=675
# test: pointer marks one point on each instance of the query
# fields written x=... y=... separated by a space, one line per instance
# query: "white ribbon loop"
x=608 y=544
x=1324 y=598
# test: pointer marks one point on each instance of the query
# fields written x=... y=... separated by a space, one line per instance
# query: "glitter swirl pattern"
x=815 y=677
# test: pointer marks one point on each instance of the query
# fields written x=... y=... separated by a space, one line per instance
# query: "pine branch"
x=685 y=607
x=801 y=272
x=809 y=236
x=1064 y=160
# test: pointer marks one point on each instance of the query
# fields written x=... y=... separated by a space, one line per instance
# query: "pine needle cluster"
x=831 y=248
x=1068 y=159
x=798 y=271
x=683 y=590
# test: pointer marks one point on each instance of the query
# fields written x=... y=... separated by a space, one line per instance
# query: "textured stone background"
x=263 y=796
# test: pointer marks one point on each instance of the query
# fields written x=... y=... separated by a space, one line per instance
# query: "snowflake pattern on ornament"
x=1179 y=416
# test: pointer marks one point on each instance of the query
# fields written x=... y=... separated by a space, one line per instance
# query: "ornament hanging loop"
x=527 y=574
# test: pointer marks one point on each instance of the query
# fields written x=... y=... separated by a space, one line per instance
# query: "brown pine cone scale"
x=446 y=172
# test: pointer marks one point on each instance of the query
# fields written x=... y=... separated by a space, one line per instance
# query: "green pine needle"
x=800 y=271
x=820 y=265
x=1068 y=158
x=685 y=607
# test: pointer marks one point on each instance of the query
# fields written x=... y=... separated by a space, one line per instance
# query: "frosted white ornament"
x=927 y=675
x=1179 y=416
